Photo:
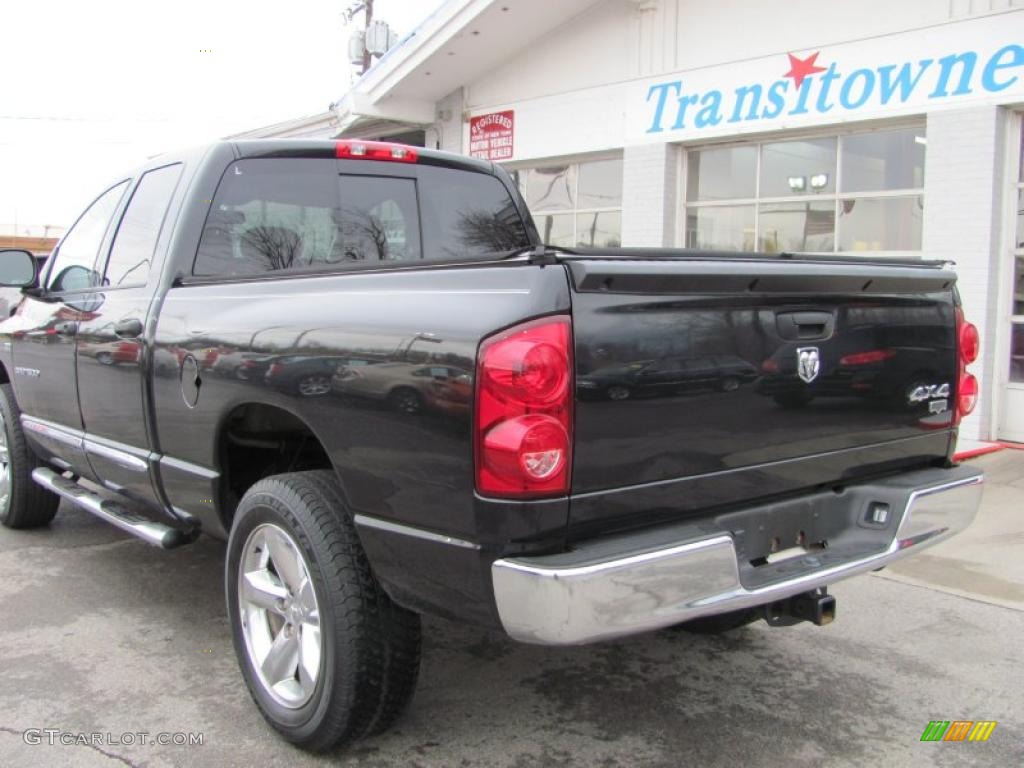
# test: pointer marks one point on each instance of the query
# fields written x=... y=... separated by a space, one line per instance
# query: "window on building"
x=1017 y=325
x=287 y=214
x=853 y=193
x=575 y=204
x=74 y=266
x=136 y=237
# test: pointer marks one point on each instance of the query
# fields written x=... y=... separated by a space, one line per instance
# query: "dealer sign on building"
x=491 y=135
x=907 y=73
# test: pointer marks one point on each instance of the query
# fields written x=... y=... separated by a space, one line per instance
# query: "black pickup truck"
x=357 y=363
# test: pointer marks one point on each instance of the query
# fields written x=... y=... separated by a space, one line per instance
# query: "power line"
x=84 y=119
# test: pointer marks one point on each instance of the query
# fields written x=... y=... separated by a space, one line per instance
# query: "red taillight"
x=969 y=341
x=867 y=358
x=354 y=149
x=967 y=394
x=968 y=346
x=274 y=369
x=524 y=411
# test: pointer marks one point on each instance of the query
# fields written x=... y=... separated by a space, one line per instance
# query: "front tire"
x=729 y=384
x=406 y=400
x=314 y=386
x=326 y=655
x=23 y=503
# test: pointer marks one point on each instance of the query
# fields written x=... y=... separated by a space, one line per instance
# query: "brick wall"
x=965 y=178
x=650 y=195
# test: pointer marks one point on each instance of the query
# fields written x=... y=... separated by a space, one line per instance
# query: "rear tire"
x=23 y=503
x=617 y=392
x=369 y=648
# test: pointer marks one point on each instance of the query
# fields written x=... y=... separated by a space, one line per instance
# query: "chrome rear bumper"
x=619 y=586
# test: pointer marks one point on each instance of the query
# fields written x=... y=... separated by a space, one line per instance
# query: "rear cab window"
x=291 y=214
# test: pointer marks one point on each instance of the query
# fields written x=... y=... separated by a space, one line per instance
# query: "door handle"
x=66 y=328
x=128 y=329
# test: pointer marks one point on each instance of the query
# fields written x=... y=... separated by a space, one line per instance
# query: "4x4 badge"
x=808 y=363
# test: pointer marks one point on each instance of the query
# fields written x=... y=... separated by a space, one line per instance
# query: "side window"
x=75 y=261
x=467 y=215
x=281 y=214
x=136 y=237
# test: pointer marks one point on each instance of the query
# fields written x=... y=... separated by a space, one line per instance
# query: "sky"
x=90 y=89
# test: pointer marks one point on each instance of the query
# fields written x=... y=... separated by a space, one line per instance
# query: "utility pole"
x=361 y=46
x=368 y=17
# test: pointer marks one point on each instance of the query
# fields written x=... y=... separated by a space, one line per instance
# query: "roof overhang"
x=457 y=44
x=321 y=126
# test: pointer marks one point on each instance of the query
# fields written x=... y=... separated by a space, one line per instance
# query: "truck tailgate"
x=708 y=383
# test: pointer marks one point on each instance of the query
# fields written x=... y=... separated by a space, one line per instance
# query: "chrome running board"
x=157 y=534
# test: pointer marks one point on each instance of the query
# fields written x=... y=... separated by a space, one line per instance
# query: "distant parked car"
x=123 y=352
x=409 y=387
x=668 y=376
x=306 y=375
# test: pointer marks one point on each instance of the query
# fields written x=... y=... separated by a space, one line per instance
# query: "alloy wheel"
x=311 y=386
x=280 y=616
x=5 y=468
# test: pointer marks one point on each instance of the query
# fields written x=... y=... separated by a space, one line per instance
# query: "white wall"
x=965 y=181
x=618 y=40
x=681 y=34
x=590 y=50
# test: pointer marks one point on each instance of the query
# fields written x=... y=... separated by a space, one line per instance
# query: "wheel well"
x=4 y=378
x=258 y=440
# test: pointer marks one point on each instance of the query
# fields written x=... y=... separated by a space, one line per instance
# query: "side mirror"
x=17 y=268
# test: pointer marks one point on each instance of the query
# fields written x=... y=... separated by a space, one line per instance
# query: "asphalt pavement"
x=100 y=633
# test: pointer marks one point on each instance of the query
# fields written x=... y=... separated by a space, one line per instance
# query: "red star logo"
x=801 y=68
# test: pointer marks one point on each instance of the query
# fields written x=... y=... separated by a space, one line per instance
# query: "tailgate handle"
x=802 y=326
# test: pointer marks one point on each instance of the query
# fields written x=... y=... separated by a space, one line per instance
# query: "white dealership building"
x=873 y=128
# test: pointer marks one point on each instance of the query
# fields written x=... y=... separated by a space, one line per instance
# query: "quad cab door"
x=43 y=334
x=113 y=358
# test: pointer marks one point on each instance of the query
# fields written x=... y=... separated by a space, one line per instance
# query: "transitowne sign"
x=980 y=60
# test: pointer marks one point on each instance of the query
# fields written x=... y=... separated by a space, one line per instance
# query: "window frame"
x=51 y=262
x=575 y=211
x=836 y=197
x=123 y=211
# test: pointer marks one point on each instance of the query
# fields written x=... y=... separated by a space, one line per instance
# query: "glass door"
x=1012 y=426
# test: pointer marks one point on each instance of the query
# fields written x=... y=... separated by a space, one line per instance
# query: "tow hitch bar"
x=816 y=606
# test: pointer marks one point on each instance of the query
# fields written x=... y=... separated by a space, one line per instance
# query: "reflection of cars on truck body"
x=407 y=387
x=511 y=500
x=669 y=376
x=876 y=353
